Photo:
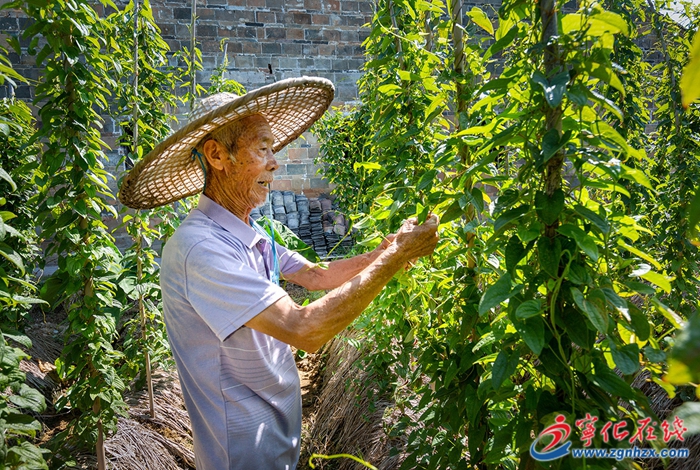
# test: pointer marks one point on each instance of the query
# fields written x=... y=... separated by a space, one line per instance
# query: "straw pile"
x=664 y=406
x=163 y=442
x=141 y=442
x=348 y=419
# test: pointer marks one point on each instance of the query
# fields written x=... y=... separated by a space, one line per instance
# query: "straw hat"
x=170 y=172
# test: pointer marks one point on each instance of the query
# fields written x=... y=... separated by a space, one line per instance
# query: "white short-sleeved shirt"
x=241 y=387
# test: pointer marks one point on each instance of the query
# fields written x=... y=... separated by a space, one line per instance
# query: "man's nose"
x=272 y=164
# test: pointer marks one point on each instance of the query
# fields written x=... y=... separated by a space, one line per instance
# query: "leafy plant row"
x=566 y=267
x=115 y=65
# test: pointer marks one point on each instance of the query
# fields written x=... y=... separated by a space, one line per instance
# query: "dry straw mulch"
x=664 y=406
x=141 y=442
x=351 y=418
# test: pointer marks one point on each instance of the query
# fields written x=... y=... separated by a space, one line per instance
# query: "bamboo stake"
x=139 y=262
x=193 y=56
x=459 y=62
x=552 y=66
x=667 y=59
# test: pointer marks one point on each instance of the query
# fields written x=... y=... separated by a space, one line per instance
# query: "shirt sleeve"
x=290 y=261
x=224 y=291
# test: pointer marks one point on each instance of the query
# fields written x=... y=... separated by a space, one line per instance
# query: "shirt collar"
x=228 y=221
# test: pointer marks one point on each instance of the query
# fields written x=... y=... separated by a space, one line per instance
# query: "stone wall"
x=266 y=41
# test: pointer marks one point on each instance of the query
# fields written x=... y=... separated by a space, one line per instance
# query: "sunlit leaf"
x=690 y=78
x=479 y=17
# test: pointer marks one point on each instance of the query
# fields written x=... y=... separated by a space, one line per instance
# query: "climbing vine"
x=72 y=200
x=17 y=400
x=540 y=300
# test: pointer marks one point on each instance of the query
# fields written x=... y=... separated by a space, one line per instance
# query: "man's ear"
x=215 y=153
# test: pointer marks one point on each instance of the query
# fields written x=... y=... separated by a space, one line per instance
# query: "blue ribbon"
x=270 y=237
x=199 y=156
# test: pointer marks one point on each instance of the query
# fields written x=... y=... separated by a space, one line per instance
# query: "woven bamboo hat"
x=170 y=172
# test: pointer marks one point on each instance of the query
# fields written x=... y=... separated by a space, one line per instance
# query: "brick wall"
x=267 y=40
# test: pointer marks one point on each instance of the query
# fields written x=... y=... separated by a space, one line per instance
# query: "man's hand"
x=414 y=240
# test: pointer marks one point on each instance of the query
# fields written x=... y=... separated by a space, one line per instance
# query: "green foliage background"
x=568 y=264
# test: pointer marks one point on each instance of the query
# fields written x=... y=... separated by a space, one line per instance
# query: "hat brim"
x=169 y=173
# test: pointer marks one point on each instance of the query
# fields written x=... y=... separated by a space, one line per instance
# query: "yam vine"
x=563 y=164
x=571 y=302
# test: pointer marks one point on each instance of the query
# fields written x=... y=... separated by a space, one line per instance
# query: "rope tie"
x=199 y=156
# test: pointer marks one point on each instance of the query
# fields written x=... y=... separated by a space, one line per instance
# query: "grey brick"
x=322 y=64
x=313 y=35
x=330 y=35
x=355 y=64
x=275 y=33
x=241 y=16
x=296 y=169
x=263 y=62
x=271 y=48
x=25 y=23
x=349 y=36
x=247 y=32
x=355 y=20
x=349 y=6
x=301 y=18
x=291 y=49
x=318 y=183
x=313 y=4
x=244 y=61
x=265 y=17
x=288 y=63
x=339 y=64
x=310 y=50
x=182 y=13
x=251 y=47
x=207 y=30
x=168 y=30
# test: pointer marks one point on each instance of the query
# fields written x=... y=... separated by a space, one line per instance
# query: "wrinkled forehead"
x=254 y=127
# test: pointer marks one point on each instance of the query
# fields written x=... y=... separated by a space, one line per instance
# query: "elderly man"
x=229 y=323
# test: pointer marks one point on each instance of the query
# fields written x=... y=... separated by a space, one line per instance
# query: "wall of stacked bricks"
x=267 y=40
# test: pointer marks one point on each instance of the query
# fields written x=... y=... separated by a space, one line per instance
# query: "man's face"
x=253 y=163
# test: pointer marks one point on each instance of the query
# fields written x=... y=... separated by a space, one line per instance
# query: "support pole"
x=193 y=56
x=139 y=262
x=552 y=66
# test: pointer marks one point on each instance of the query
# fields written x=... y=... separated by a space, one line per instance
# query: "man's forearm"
x=335 y=274
x=330 y=314
x=311 y=326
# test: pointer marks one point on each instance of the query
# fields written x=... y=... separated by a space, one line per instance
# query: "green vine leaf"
x=595 y=314
x=690 y=79
x=499 y=292
x=479 y=17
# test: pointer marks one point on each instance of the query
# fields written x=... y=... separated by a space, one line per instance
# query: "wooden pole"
x=193 y=56
x=552 y=66
x=461 y=108
x=139 y=241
